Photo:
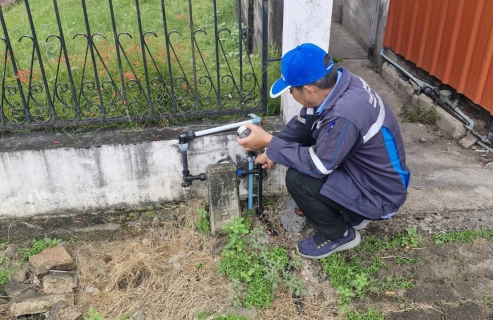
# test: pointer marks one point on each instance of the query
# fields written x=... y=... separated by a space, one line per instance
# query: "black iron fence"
x=98 y=72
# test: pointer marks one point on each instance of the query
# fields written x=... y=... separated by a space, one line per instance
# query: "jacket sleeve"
x=294 y=129
x=335 y=142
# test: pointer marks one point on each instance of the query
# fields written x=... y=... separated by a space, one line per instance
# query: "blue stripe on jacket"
x=394 y=156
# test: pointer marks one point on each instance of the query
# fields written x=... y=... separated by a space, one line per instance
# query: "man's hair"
x=326 y=82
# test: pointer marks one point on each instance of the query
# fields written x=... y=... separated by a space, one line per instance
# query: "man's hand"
x=258 y=138
x=264 y=161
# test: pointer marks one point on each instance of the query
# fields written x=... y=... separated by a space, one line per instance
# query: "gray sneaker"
x=356 y=223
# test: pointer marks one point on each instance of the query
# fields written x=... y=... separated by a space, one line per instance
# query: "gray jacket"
x=357 y=145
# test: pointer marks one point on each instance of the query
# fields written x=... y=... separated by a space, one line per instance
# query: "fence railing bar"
x=168 y=55
x=4 y=75
x=209 y=77
x=240 y=46
x=116 y=37
x=62 y=87
x=184 y=75
x=63 y=45
x=30 y=81
x=226 y=60
x=144 y=60
x=161 y=79
x=40 y=62
x=194 y=63
x=81 y=89
x=218 y=64
x=135 y=75
x=108 y=73
x=265 y=43
x=254 y=74
x=90 y=44
x=9 y=49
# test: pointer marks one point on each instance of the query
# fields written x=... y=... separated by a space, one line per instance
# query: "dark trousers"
x=320 y=211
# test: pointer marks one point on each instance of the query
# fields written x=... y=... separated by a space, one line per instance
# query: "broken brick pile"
x=46 y=284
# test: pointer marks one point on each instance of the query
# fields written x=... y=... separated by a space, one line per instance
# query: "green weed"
x=4 y=259
x=403 y=305
x=4 y=276
x=207 y=315
x=269 y=202
x=402 y=261
x=419 y=114
x=354 y=278
x=37 y=246
x=74 y=240
x=488 y=235
x=204 y=223
x=393 y=283
x=93 y=315
x=370 y=314
x=126 y=316
x=255 y=269
x=372 y=245
x=465 y=236
x=348 y=275
x=5 y=273
x=488 y=300
x=410 y=239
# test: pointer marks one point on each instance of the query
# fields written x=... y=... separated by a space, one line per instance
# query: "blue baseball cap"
x=300 y=66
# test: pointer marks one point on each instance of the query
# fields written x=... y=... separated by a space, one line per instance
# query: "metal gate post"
x=265 y=52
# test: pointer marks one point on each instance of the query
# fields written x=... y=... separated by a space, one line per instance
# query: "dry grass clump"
x=309 y=308
x=169 y=273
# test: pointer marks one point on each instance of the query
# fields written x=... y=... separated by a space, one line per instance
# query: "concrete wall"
x=69 y=174
x=356 y=16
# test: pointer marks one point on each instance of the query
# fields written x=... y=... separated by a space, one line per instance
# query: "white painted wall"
x=304 y=21
x=73 y=180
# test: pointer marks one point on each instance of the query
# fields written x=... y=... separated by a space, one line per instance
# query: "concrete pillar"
x=304 y=21
x=222 y=180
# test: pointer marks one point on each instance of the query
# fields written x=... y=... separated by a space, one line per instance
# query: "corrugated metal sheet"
x=450 y=39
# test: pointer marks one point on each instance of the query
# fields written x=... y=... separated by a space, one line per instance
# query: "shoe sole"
x=362 y=225
x=351 y=244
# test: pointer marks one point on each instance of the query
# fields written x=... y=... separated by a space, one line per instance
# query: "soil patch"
x=168 y=270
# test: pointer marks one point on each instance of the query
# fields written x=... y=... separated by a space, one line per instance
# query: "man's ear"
x=311 y=89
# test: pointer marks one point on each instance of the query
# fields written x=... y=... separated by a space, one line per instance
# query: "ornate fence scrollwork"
x=181 y=68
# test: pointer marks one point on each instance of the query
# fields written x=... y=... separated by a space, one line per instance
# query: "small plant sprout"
x=39 y=245
x=93 y=315
x=419 y=114
x=204 y=222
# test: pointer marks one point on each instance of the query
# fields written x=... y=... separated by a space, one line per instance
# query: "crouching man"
x=344 y=151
